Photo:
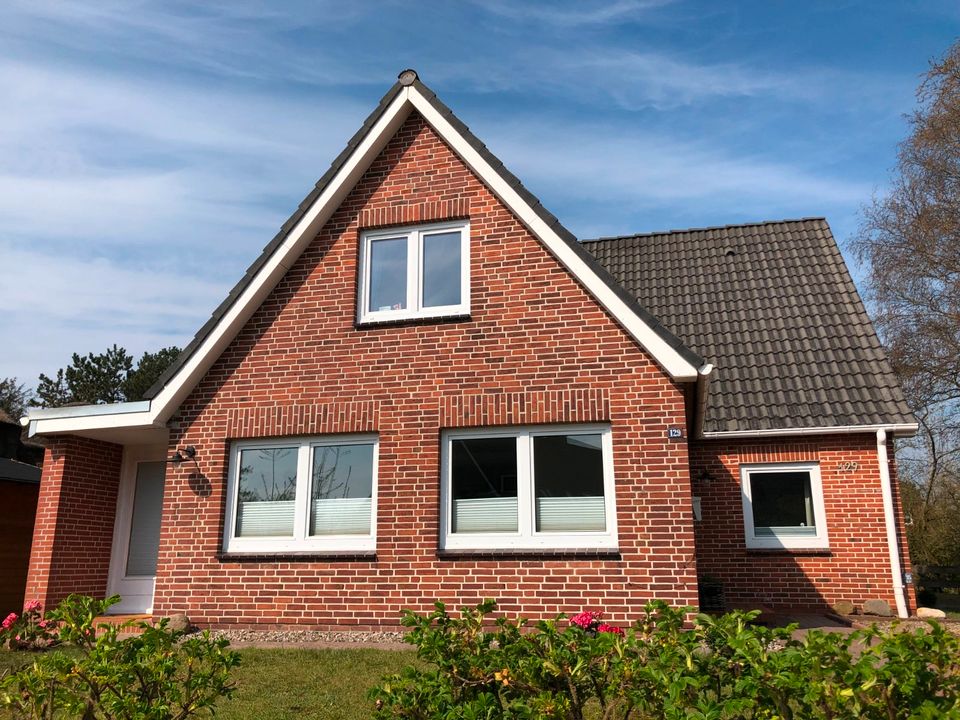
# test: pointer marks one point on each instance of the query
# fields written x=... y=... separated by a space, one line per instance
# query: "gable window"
x=509 y=488
x=783 y=506
x=417 y=272
x=310 y=494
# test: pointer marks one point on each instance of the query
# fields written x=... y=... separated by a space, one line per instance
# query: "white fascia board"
x=669 y=359
x=168 y=400
x=74 y=418
x=72 y=411
x=75 y=424
x=903 y=430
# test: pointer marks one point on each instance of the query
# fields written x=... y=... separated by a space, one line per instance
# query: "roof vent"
x=730 y=252
x=407 y=77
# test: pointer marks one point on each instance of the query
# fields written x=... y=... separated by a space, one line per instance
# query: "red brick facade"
x=73 y=532
x=856 y=567
x=536 y=349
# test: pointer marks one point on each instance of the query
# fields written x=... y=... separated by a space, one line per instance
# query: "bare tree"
x=910 y=241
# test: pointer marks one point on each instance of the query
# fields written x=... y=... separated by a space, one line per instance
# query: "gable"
x=407 y=96
x=677 y=360
x=531 y=324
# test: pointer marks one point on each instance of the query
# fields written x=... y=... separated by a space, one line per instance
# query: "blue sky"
x=148 y=151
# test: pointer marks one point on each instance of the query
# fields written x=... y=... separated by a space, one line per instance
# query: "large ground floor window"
x=536 y=487
x=302 y=494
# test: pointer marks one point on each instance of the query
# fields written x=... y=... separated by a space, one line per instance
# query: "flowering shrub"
x=29 y=630
x=157 y=674
x=721 y=668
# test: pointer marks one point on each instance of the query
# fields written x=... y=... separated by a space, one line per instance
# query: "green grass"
x=302 y=684
x=309 y=684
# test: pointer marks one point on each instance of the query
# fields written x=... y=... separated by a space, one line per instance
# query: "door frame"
x=133 y=455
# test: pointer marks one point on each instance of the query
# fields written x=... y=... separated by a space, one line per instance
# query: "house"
x=426 y=388
x=19 y=489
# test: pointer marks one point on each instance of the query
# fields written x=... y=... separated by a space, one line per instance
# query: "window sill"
x=420 y=320
x=530 y=554
x=311 y=556
x=822 y=552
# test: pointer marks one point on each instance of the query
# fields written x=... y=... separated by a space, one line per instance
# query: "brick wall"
x=73 y=531
x=19 y=503
x=856 y=568
x=536 y=349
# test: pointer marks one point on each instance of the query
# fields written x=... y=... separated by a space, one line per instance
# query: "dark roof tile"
x=780 y=318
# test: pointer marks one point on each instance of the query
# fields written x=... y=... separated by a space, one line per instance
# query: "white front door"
x=136 y=533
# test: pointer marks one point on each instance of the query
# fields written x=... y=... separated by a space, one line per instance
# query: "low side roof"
x=773 y=307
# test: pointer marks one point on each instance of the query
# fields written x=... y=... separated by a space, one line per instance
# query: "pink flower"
x=10 y=620
x=33 y=606
x=605 y=628
x=585 y=620
x=42 y=624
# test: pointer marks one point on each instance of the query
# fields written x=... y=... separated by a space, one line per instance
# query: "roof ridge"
x=681 y=231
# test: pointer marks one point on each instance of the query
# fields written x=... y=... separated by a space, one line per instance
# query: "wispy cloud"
x=237 y=40
x=101 y=159
x=593 y=167
x=576 y=14
x=75 y=305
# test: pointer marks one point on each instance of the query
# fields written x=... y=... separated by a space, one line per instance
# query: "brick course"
x=857 y=566
x=536 y=349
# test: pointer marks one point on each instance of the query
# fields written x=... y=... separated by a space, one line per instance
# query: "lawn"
x=309 y=684
x=304 y=684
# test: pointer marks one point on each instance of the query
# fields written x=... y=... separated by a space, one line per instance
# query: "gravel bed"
x=311 y=637
x=908 y=625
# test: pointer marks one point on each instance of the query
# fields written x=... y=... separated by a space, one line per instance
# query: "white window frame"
x=414 y=309
x=526 y=536
x=820 y=541
x=300 y=541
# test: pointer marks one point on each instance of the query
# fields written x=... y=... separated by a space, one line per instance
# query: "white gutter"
x=902 y=429
x=896 y=572
x=703 y=386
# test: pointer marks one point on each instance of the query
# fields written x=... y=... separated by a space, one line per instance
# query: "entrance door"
x=136 y=535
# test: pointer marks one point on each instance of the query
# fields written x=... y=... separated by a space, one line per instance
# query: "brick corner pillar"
x=73 y=532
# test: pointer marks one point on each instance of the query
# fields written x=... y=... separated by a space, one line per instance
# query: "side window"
x=783 y=506
x=419 y=272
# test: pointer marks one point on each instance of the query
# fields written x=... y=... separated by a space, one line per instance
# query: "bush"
x=156 y=675
x=927 y=598
x=723 y=667
x=28 y=631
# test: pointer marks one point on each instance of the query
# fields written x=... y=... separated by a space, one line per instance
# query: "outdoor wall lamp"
x=182 y=455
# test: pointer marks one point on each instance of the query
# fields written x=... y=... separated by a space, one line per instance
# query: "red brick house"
x=426 y=388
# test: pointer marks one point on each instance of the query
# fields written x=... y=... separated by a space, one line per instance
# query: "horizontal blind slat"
x=571 y=514
x=485 y=515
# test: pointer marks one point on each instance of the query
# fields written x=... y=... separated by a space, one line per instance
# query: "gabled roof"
x=406 y=96
x=773 y=306
x=499 y=172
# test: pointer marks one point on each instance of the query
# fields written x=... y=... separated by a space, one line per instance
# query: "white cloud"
x=103 y=160
x=580 y=164
x=66 y=305
x=575 y=15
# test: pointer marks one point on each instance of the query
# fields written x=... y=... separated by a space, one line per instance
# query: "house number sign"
x=848 y=466
x=675 y=433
